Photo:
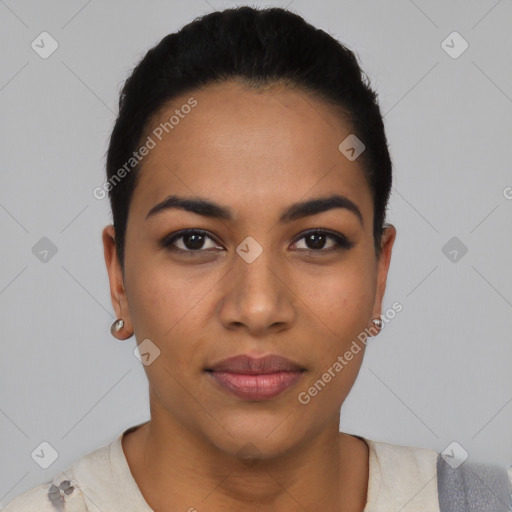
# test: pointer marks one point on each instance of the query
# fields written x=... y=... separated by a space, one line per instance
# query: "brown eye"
x=315 y=241
x=192 y=240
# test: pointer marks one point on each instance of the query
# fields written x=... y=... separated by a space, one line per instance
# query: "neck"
x=176 y=469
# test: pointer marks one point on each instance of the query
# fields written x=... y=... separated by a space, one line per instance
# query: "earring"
x=377 y=322
x=116 y=326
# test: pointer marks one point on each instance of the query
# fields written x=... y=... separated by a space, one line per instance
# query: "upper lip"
x=246 y=364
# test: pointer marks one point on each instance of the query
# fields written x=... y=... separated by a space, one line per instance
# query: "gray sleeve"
x=473 y=487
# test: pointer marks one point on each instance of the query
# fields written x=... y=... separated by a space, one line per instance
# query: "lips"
x=257 y=379
x=250 y=365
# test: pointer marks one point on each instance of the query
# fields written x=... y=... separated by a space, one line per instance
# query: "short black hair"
x=258 y=47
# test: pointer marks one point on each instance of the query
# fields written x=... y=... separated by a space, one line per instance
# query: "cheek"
x=170 y=310
x=340 y=298
x=161 y=295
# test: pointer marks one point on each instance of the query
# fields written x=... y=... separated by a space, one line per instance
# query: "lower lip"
x=256 y=387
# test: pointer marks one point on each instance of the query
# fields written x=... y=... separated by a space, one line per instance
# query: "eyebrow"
x=208 y=208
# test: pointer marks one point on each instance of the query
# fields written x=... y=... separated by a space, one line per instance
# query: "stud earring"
x=377 y=322
x=116 y=326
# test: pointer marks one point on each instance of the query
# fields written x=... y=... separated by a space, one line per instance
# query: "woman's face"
x=256 y=283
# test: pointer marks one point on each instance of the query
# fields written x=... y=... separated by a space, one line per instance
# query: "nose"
x=258 y=297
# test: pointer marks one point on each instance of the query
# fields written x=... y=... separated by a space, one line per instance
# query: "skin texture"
x=256 y=152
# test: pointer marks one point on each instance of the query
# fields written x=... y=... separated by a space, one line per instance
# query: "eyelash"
x=341 y=242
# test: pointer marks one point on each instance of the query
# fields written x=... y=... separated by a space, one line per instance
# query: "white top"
x=400 y=478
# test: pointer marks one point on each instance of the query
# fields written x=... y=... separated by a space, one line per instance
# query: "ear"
x=115 y=276
x=388 y=239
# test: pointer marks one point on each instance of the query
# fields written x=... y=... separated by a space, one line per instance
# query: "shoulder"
x=66 y=491
x=415 y=479
x=60 y=493
x=33 y=499
x=398 y=458
x=402 y=478
x=473 y=485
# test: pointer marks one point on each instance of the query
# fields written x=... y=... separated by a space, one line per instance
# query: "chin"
x=260 y=438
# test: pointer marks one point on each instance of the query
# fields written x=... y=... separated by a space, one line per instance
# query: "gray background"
x=438 y=373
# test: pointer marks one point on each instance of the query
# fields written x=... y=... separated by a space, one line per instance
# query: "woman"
x=249 y=176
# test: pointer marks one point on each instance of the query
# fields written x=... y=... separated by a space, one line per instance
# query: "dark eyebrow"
x=207 y=208
x=319 y=205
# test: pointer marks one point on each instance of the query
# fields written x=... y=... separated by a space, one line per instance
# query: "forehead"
x=249 y=148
